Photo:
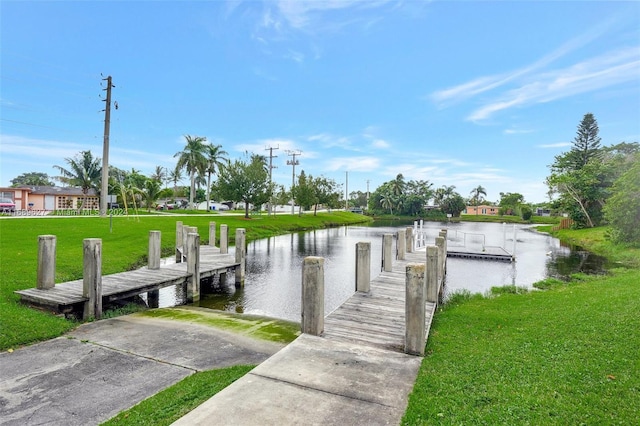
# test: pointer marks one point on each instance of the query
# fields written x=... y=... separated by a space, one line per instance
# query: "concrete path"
x=102 y=368
x=316 y=381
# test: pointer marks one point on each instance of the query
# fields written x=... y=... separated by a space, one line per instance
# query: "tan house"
x=50 y=198
x=488 y=210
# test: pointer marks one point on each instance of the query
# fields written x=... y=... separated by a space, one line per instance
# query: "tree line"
x=599 y=185
x=245 y=180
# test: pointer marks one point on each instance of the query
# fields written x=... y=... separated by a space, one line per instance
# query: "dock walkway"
x=355 y=373
x=68 y=296
x=377 y=318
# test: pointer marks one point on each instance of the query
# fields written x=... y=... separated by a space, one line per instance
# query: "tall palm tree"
x=175 y=176
x=476 y=195
x=84 y=172
x=193 y=160
x=398 y=185
x=216 y=157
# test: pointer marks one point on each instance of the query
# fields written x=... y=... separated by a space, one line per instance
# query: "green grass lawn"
x=124 y=247
x=567 y=355
x=174 y=402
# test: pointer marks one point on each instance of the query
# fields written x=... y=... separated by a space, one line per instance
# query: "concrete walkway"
x=316 y=381
x=102 y=368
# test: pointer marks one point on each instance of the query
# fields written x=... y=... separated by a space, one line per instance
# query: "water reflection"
x=274 y=265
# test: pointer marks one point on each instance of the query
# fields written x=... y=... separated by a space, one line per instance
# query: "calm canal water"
x=274 y=265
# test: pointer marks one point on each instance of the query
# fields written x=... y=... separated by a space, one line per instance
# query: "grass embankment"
x=174 y=402
x=567 y=355
x=123 y=249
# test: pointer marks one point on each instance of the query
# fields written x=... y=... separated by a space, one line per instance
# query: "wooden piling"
x=240 y=255
x=212 y=234
x=387 y=252
x=415 y=309
x=442 y=256
x=224 y=239
x=154 y=250
x=179 y=241
x=92 y=277
x=312 y=312
x=193 y=267
x=402 y=244
x=46 y=262
x=409 y=243
x=433 y=287
x=363 y=266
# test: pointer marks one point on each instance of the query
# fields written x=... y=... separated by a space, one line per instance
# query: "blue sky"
x=456 y=93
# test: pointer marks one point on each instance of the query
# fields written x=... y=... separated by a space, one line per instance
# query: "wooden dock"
x=68 y=296
x=488 y=253
x=377 y=318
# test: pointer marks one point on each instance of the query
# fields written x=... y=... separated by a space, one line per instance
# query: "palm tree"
x=398 y=185
x=192 y=158
x=84 y=171
x=443 y=194
x=151 y=192
x=216 y=157
x=476 y=196
x=175 y=176
x=160 y=174
x=387 y=202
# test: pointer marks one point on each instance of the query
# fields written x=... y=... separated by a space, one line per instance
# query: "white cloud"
x=295 y=56
x=555 y=145
x=537 y=83
x=380 y=143
x=327 y=140
x=603 y=71
x=513 y=131
x=353 y=164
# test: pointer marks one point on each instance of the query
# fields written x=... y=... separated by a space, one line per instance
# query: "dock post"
x=402 y=244
x=179 y=247
x=154 y=250
x=387 y=256
x=155 y=238
x=185 y=233
x=92 y=277
x=312 y=316
x=442 y=258
x=212 y=234
x=241 y=255
x=409 y=236
x=443 y=234
x=224 y=239
x=415 y=311
x=363 y=266
x=46 y=262
x=193 y=267
x=433 y=288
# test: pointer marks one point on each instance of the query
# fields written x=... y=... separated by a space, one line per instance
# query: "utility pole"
x=367 y=194
x=293 y=163
x=346 y=191
x=104 y=191
x=271 y=166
